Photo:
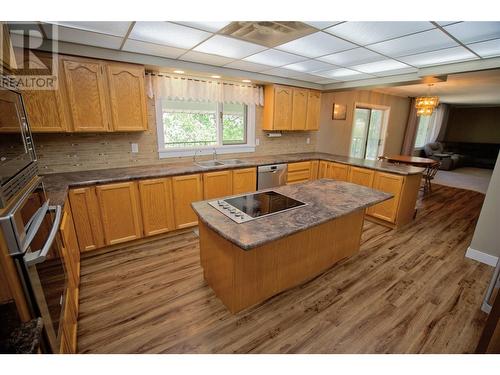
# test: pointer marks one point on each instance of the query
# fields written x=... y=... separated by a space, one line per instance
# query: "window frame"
x=249 y=146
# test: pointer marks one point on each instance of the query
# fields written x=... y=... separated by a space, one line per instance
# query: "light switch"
x=135 y=148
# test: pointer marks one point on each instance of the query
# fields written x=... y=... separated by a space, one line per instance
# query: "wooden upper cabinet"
x=283 y=99
x=299 y=109
x=244 y=180
x=217 y=184
x=119 y=206
x=156 y=205
x=313 y=110
x=389 y=183
x=339 y=171
x=87 y=218
x=361 y=176
x=127 y=97
x=86 y=91
x=186 y=189
x=6 y=52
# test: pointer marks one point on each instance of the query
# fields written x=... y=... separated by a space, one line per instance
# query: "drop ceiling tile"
x=490 y=48
x=372 y=32
x=446 y=23
x=152 y=49
x=282 y=72
x=228 y=47
x=412 y=44
x=104 y=27
x=440 y=57
x=315 y=45
x=67 y=34
x=168 y=34
x=274 y=57
x=382 y=66
x=471 y=32
x=343 y=74
x=247 y=65
x=321 y=24
x=207 y=26
x=309 y=78
x=352 y=57
x=205 y=58
x=309 y=66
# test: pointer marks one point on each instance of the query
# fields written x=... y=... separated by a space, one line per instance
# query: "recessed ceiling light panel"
x=168 y=34
x=228 y=47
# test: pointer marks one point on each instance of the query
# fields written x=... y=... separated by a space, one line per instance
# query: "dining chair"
x=429 y=174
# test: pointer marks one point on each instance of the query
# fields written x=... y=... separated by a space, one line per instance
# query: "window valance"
x=172 y=87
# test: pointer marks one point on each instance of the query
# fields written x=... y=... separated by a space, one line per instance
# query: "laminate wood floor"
x=406 y=291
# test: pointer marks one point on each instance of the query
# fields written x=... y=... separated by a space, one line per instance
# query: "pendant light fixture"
x=425 y=105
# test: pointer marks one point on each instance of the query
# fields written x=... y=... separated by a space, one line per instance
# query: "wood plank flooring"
x=410 y=291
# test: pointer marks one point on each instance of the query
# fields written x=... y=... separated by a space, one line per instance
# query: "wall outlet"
x=308 y=140
x=135 y=148
x=257 y=141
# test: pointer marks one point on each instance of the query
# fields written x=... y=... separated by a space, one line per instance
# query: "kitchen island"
x=247 y=263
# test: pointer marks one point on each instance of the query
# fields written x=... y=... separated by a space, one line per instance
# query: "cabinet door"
x=70 y=249
x=323 y=169
x=87 y=218
x=389 y=183
x=313 y=110
x=314 y=169
x=127 y=97
x=86 y=94
x=45 y=108
x=120 y=212
x=339 y=171
x=283 y=99
x=10 y=108
x=299 y=109
x=217 y=184
x=299 y=172
x=361 y=176
x=186 y=189
x=244 y=180
x=156 y=205
x=6 y=51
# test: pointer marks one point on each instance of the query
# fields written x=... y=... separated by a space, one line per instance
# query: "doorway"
x=368 y=132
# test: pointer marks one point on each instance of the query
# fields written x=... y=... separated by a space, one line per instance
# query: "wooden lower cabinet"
x=217 y=184
x=120 y=212
x=87 y=218
x=338 y=171
x=361 y=176
x=299 y=172
x=185 y=190
x=244 y=180
x=323 y=169
x=389 y=183
x=156 y=205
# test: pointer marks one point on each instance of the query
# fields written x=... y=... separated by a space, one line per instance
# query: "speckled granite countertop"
x=326 y=200
x=57 y=184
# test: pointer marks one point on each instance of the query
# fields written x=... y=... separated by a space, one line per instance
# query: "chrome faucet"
x=194 y=156
x=215 y=154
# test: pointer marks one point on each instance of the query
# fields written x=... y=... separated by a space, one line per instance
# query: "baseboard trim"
x=488 y=259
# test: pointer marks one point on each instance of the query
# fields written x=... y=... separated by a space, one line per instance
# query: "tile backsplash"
x=74 y=152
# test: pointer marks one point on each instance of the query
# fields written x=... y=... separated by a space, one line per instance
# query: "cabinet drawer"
x=299 y=176
x=303 y=165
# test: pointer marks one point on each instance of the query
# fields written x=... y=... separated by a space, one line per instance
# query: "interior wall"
x=74 y=152
x=335 y=135
x=473 y=124
x=485 y=237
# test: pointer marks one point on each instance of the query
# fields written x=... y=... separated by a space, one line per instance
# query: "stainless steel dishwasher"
x=269 y=176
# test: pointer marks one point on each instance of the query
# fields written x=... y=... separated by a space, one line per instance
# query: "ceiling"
x=481 y=87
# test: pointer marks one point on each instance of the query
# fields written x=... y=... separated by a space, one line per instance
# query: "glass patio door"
x=366 y=136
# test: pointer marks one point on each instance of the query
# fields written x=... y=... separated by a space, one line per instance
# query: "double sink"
x=215 y=163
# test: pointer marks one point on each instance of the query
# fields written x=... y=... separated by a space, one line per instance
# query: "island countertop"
x=326 y=200
x=57 y=184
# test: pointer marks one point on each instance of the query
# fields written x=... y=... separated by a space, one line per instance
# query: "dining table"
x=416 y=161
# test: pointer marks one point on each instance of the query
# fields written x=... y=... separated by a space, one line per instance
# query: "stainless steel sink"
x=232 y=161
x=208 y=163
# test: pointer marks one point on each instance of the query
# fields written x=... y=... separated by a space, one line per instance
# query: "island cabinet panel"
x=299 y=109
x=86 y=89
x=217 y=184
x=244 y=180
x=87 y=218
x=156 y=205
x=299 y=172
x=120 y=212
x=313 y=110
x=127 y=97
x=339 y=171
x=389 y=183
x=361 y=176
x=186 y=189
